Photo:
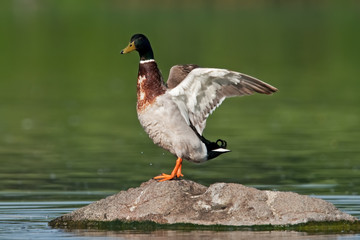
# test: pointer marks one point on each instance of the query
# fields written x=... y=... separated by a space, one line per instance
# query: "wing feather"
x=178 y=73
x=204 y=89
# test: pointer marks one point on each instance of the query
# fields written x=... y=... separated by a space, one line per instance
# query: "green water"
x=67 y=98
x=68 y=125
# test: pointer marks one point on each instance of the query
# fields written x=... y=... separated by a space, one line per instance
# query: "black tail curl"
x=210 y=146
x=221 y=143
x=214 y=147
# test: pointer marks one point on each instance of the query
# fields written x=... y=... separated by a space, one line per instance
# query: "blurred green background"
x=67 y=97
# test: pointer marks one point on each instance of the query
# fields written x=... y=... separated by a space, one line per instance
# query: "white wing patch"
x=204 y=89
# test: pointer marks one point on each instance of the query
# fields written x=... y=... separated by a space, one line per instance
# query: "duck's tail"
x=214 y=149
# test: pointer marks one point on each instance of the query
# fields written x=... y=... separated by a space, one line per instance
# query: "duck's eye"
x=130 y=45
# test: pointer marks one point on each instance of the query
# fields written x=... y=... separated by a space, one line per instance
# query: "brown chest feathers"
x=149 y=84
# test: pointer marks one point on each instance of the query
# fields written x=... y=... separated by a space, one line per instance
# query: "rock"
x=184 y=201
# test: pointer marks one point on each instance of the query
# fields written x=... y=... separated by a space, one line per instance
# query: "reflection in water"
x=201 y=235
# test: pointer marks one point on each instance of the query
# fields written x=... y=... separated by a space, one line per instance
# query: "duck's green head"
x=140 y=43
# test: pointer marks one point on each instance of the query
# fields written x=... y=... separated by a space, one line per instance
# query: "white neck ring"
x=147 y=61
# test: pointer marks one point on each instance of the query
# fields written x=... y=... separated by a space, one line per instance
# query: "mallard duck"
x=174 y=113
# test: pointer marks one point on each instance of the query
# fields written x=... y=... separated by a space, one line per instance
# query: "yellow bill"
x=131 y=47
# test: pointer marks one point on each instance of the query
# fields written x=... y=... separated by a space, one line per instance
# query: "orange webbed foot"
x=164 y=177
x=176 y=173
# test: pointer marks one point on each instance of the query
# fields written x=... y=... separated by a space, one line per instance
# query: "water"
x=28 y=220
x=68 y=128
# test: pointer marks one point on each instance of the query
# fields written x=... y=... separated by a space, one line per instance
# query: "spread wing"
x=204 y=89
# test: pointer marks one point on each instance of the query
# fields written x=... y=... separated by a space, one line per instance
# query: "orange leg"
x=179 y=174
x=175 y=173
